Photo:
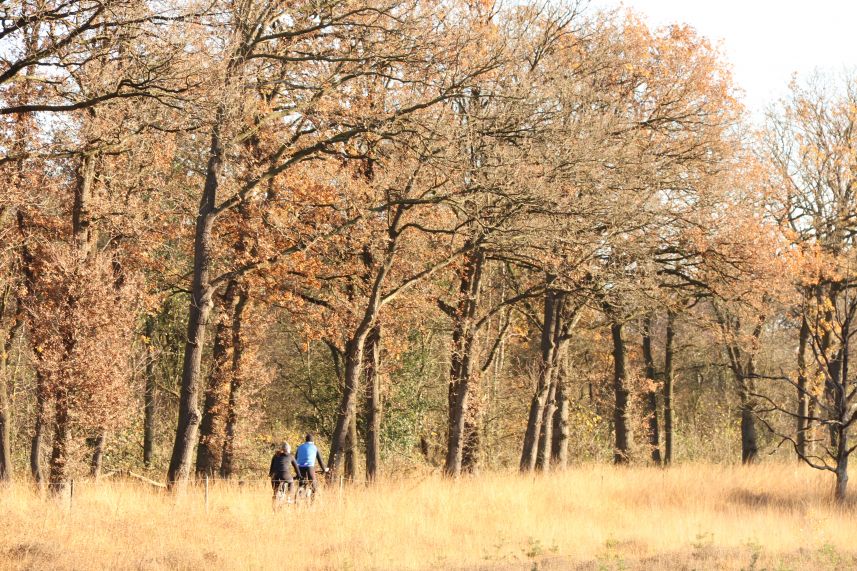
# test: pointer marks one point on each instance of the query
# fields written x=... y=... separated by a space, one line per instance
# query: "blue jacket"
x=307 y=455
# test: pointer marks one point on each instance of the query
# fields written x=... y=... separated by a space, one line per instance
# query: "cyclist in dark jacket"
x=280 y=472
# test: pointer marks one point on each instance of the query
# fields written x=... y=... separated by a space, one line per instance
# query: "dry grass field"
x=599 y=517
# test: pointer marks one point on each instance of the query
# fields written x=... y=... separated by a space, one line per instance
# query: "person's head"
x=285 y=448
x=309 y=437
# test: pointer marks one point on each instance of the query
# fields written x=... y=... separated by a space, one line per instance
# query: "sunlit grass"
x=598 y=517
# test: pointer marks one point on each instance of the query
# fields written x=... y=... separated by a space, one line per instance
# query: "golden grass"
x=597 y=517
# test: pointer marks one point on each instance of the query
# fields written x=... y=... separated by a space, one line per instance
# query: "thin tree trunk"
x=373 y=403
x=23 y=126
x=843 y=407
x=621 y=422
x=461 y=368
x=97 y=455
x=208 y=453
x=651 y=392
x=492 y=429
x=27 y=269
x=668 y=390
x=38 y=429
x=227 y=462
x=841 y=402
x=6 y=470
x=149 y=395
x=5 y=418
x=840 y=431
x=198 y=314
x=802 y=396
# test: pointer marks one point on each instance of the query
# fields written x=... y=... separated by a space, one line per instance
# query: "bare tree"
x=832 y=398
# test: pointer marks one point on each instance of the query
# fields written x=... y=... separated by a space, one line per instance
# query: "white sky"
x=766 y=41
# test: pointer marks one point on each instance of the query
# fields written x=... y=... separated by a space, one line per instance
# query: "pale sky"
x=766 y=41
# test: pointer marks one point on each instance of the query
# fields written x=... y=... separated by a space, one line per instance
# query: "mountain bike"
x=281 y=496
x=305 y=493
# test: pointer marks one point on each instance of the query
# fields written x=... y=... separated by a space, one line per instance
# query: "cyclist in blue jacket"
x=307 y=456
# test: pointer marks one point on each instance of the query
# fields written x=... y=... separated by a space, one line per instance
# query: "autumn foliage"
x=447 y=234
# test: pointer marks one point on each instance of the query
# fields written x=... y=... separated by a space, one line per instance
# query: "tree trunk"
x=198 y=314
x=749 y=436
x=668 y=390
x=354 y=352
x=149 y=395
x=227 y=461
x=97 y=455
x=458 y=402
x=539 y=403
x=351 y=444
x=38 y=429
x=208 y=453
x=559 y=447
x=546 y=438
x=373 y=403
x=843 y=406
x=6 y=471
x=841 y=479
x=82 y=231
x=838 y=383
x=59 y=453
x=472 y=433
x=826 y=298
x=27 y=269
x=461 y=366
x=743 y=365
x=621 y=421
x=5 y=417
x=802 y=396
x=651 y=392
x=83 y=237
x=749 y=446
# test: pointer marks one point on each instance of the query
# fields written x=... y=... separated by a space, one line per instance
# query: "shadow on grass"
x=758 y=500
x=748 y=558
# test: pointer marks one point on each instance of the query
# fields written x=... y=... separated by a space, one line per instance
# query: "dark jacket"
x=282 y=465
